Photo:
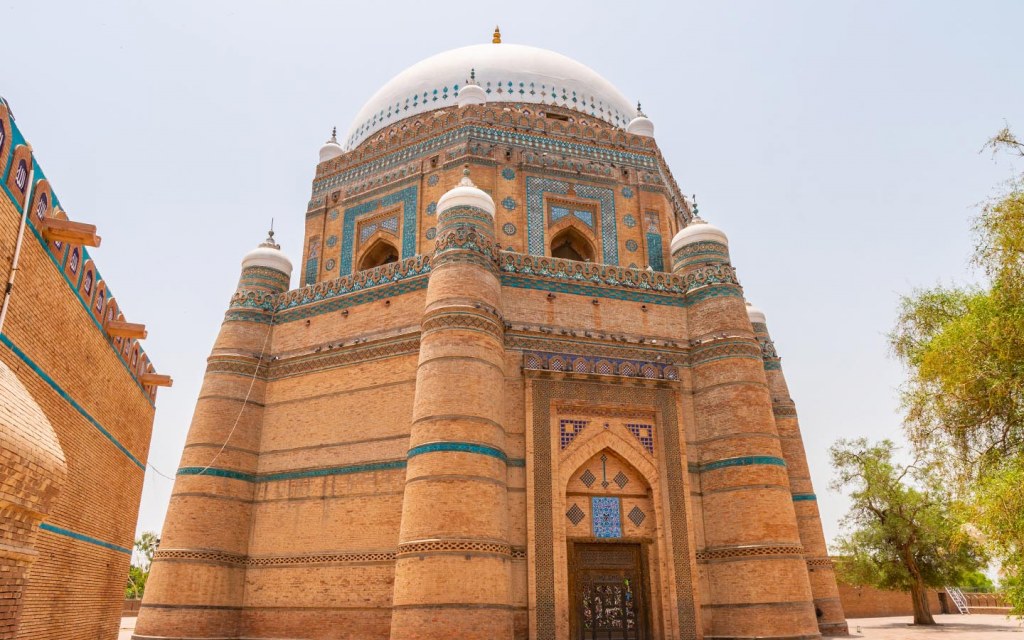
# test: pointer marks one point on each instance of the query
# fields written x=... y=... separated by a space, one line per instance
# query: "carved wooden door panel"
x=607 y=592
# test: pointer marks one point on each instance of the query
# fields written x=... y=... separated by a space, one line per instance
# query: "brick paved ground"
x=972 y=627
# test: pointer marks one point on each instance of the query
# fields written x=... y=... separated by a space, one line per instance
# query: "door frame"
x=643 y=546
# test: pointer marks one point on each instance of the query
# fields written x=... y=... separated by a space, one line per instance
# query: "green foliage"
x=900 y=533
x=138 y=572
x=964 y=351
x=977 y=582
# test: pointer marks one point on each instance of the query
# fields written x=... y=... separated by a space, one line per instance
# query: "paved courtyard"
x=972 y=627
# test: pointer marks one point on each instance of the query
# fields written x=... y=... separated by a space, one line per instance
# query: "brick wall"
x=87 y=385
x=868 y=602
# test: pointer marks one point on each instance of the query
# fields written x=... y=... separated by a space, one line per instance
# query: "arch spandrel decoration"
x=536 y=216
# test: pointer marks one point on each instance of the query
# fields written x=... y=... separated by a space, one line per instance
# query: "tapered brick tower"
x=197 y=584
x=828 y=608
x=501 y=404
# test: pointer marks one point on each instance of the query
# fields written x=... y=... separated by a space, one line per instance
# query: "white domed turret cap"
x=269 y=255
x=331 y=148
x=641 y=125
x=698 y=231
x=471 y=92
x=755 y=314
x=465 y=194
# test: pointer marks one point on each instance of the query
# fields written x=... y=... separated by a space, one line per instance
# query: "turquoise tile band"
x=464 y=447
x=742 y=462
x=81 y=537
x=801 y=497
x=385 y=465
x=64 y=394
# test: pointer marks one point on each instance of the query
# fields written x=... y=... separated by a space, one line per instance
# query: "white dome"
x=755 y=314
x=465 y=194
x=641 y=126
x=331 y=148
x=506 y=73
x=472 y=94
x=269 y=255
x=698 y=231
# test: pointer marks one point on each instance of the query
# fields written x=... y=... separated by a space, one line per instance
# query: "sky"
x=837 y=143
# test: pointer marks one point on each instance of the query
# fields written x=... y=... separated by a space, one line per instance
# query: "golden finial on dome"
x=497 y=35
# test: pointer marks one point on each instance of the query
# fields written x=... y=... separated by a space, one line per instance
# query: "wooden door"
x=607 y=585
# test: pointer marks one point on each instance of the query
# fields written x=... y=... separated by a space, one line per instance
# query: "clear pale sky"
x=837 y=143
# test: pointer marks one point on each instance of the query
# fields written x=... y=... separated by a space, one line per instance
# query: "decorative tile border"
x=71 y=401
x=81 y=537
x=742 y=462
x=804 y=497
x=462 y=447
x=407 y=197
x=536 y=187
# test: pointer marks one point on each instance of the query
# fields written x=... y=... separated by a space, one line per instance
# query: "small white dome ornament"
x=471 y=92
x=641 y=125
x=466 y=194
x=698 y=231
x=755 y=314
x=331 y=148
x=268 y=254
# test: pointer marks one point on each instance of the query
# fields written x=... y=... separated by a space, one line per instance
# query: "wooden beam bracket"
x=68 y=231
x=122 y=329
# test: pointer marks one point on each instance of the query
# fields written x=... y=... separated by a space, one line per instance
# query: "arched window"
x=100 y=297
x=41 y=206
x=380 y=253
x=3 y=134
x=87 y=283
x=21 y=177
x=73 y=261
x=571 y=245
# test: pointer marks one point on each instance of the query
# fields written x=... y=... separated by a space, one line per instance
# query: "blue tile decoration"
x=556 y=213
x=431 y=208
x=655 y=256
x=431 y=233
x=312 y=267
x=643 y=433
x=802 y=497
x=407 y=197
x=605 y=516
x=391 y=224
x=332 y=240
x=587 y=217
x=508 y=229
x=433 y=180
x=508 y=173
x=329 y=265
x=509 y=203
x=551 y=361
x=536 y=188
x=629 y=221
x=81 y=537
x=631 y=245
x=627 y=192
x=461 y=447
x=569 y=429
x=633 y=265
x=333 y=215
x=67 y=397
x=544 y=144
x=742 y=462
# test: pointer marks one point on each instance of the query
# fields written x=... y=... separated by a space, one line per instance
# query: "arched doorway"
x=380 y=253
x=610 y=523
x=570 y=244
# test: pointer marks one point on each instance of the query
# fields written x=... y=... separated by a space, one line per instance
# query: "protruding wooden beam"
x=126 y=329
x=68 y=231
x=156 y=379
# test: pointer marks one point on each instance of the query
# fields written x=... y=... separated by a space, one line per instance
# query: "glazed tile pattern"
x=655 y=254
x=535 y=237
x=604 y=514
x=408 y=198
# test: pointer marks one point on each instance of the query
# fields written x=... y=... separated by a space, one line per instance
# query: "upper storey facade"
x=575 y=172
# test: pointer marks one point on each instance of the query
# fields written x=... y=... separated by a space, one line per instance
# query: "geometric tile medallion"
x=588 y=478
x=575 y=514
x=620 y=479
x=636 y=516
x=568 y=430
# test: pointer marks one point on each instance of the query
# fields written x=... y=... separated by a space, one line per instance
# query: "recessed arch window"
x=570 y=244
x=41 y=206
x=87 y=283
x=73 y=261
x=101 y=297
x=380 y=253
x=21 y=176
x=3 y=134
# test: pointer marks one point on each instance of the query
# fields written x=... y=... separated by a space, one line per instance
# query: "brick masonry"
x=416 y=447
x=94 y=422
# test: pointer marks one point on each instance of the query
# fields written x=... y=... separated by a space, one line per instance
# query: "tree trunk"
x=918 y=591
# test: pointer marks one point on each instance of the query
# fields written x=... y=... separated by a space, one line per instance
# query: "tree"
x=964 y=351
x=900 y=533
x=138 y=572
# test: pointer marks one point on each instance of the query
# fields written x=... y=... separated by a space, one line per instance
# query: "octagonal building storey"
x=517 y=394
